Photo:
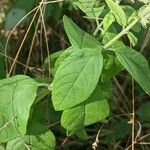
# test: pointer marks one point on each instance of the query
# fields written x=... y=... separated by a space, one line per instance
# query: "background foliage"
x=64 y=47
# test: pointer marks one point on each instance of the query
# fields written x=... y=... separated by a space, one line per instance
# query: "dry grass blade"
x=18 y=62
x=41 y=8
x=45 y=34
x=11 y=32
x=18 y=52
x=32 y=44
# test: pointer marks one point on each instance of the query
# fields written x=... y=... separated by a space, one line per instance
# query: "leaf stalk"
x=123 y=32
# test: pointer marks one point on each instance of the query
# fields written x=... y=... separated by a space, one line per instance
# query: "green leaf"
x=102 y=91
x=57 y=58
x=79 y=38
x=44 y=141
x=118 y=12
x=94 y=109
x=51 y=116
x=64 y=55
x=76 y=118
x=2 y=147
x=49 y=62
x=87 y=7
x=112 y=66
x=52 y=59
x=133 y=39
x=76 y=78
x=144 y=112
x=108 y=20
x=131 y=14
x=17 y=94
x=41 y=93
x=136 y=65
x=73 y=119
x=81 y=133
x=36 y=122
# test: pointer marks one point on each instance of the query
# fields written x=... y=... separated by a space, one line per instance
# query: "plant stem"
x=118 y=36
x=133 y=116
x=98 y=28
x=45 y=85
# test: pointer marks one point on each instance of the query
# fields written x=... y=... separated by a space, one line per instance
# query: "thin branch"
x=144 y=136
x=139 y=131
x=51 y=2
x=45 y=34
x=18 y=62
x=32 y=43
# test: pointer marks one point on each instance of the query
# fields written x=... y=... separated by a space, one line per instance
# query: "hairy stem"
x=118 y=36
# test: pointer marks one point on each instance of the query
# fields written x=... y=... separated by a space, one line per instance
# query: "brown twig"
x=133 y=116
